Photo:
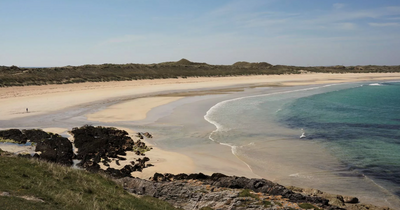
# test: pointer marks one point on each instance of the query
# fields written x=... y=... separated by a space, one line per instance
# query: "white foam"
x=375 y=84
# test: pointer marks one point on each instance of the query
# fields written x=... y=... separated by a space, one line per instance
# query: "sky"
x=43 y=33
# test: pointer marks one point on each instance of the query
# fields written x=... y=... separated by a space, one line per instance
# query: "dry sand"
x=51 y=98
x=132 y=110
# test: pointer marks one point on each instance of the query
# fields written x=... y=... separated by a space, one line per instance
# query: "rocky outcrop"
x=218 y=191
x=15 y=135
x=106 y=144
x=52 y=147
x=346 y=202
x=56 y=149
x=97 y=144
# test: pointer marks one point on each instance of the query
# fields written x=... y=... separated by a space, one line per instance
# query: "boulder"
x=57 y=149
x=14 y=134
x=350 y=199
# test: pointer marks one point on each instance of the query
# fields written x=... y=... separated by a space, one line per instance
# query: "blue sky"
x=289 y=32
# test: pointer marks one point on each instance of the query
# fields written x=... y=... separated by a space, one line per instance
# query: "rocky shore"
x=218 y=191
x=105 y=145
x=95 y=146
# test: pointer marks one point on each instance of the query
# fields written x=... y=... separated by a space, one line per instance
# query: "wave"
x=375 y=84
x=221 y=128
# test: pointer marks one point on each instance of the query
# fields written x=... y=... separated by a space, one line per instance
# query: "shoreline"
x=15 y=100
x=167 y=158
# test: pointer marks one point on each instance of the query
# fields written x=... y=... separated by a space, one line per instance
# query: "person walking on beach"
x=27 y=110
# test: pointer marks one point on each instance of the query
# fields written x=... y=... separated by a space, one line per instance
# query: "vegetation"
x=308 y=206
x=34 y=184
x=247 y=193
x=15 y=76
x=3 y=140
x=267 y=203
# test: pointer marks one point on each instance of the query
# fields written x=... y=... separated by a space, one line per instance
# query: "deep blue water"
x=360 y=126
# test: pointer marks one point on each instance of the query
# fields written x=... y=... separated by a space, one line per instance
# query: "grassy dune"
x=34 y=184
x=15 y=76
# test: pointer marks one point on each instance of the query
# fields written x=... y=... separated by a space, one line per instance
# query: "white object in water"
x=303 y=135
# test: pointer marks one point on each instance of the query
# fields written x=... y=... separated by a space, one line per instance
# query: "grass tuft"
x=247 y=193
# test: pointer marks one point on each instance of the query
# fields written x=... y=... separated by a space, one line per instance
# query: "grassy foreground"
x=34 y=184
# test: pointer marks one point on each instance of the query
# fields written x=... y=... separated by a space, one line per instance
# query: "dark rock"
x=14 y=134
x=121 y=158
x=216 y=176
x=139 y=135
x=96 y=143
x=181 y=176
x=198 y=176
x=37 y=135
x=148 y=135
x=157 y=177
x=57 y=149
x=349 y=199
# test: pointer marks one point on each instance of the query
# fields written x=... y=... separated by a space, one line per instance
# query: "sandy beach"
x=110 y=103
x=50 y=98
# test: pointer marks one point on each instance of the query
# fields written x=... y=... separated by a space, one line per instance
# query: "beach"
x=173 y=111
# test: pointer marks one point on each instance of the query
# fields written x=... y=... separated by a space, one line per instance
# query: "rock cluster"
x=95 y=145
x=99 y=144
x=106 y=144
x=52 y=147
x=218 y=191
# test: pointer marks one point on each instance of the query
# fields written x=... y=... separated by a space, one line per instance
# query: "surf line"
x=220 y=127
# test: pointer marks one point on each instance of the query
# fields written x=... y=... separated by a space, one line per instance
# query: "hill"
x=15 y=76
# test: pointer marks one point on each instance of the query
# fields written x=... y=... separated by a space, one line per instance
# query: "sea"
x=340 y=138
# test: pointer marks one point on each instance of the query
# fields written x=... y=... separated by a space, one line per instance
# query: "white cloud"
x=384 y=24
x=338 y=6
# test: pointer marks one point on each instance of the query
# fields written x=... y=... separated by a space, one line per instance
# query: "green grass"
x=308 y=206
x=247 y=193
x=7 y=141
x=267 y=203
x=63 y=188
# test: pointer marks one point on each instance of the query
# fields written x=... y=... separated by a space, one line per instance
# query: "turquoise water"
x=360 y=126
x=352 y=143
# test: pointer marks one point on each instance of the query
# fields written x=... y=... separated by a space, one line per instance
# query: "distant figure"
x=27 y=110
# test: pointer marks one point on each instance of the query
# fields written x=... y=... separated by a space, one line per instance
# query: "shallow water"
x=352 y=137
